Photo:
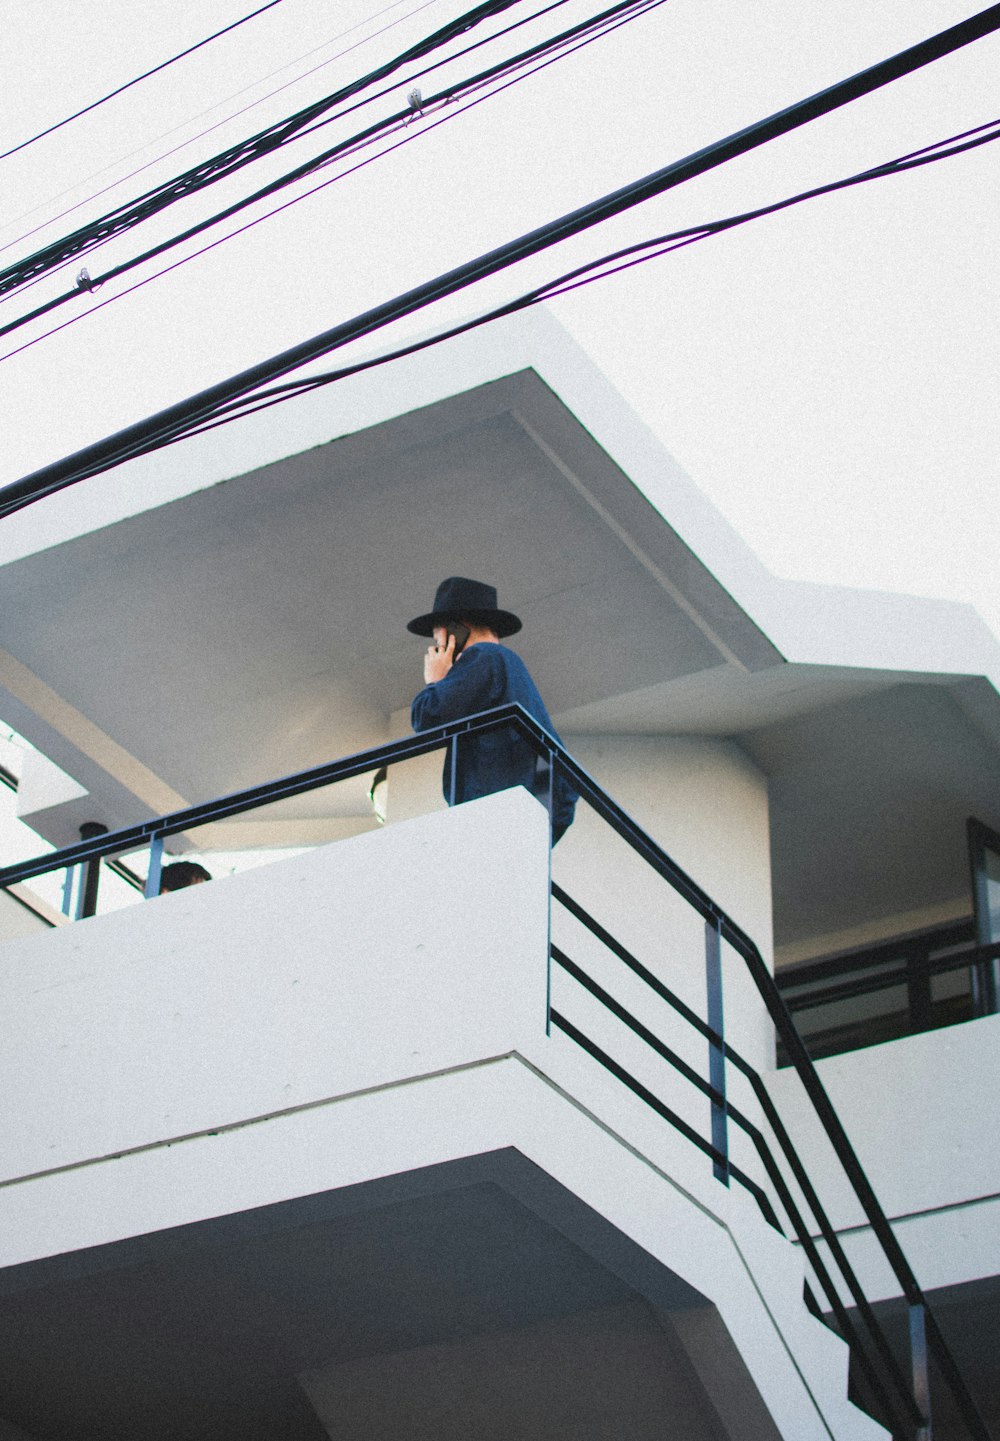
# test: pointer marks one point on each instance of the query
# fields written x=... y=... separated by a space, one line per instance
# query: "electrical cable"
x=187 y=415
x=145 y=76
x=340 y=115
x=193 y=140
x=236 y=156
x=450 y=115
x=589 y=30
x=584 y=274
x=594 y=270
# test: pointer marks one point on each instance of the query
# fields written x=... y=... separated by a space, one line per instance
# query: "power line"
x=585 y=274
x=144 y=76
x=262 y=100
x=595 y=270
x=186 y=416
x=234 y=157
x=325 y=157
x=583 y=32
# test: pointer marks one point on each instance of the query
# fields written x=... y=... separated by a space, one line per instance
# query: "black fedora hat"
x=461 y=599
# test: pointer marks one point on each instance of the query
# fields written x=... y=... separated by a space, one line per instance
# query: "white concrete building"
x=329 y=1148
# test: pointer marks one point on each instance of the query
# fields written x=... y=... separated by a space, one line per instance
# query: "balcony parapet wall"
x=921 y=1115
x=362 y=964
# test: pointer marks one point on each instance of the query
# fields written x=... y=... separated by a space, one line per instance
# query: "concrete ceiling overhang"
x=257 y=627
x=477 y=1297
x=869 y=797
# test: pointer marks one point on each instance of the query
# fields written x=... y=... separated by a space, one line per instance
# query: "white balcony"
x=309 y=1118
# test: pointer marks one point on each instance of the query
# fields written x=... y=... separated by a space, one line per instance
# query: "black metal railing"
x=902 y=1403
x=885 y=991
x=888 y=1390
x=900 y=1400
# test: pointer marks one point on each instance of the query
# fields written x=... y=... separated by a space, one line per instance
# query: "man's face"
x=441 y=636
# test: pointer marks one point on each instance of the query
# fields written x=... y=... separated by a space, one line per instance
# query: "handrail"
x=131 y=837
x=907 y=966
x=851 y=983
x=859 y=973
x=938 y=938
x=860 y=984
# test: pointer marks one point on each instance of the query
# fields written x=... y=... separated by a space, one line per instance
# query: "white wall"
x=921 y=1114
x=22 y=914
x=706 y=804
x=357 y=964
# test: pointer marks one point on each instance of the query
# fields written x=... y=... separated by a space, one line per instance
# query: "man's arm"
x=469 y=686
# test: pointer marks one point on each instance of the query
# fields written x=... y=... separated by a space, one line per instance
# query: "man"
x=182 y=874
x=467 y=670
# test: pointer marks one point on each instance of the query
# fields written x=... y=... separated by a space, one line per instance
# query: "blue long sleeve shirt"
x=484 y=676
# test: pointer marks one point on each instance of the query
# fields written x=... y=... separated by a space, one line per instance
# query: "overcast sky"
x=827 y=377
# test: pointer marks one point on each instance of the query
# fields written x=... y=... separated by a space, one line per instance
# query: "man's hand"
x=438 y=662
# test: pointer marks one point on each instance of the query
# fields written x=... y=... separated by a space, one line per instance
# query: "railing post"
x=452 y=769
x=921 y=1368
x=984 y=988
x=550 y=807
x=67 y=892
x=155 y=867
x=918 y=988
x=716 y=1055
x=984 y=975
x=92 y=871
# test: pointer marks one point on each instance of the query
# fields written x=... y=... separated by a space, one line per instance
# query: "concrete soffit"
x=258 y=626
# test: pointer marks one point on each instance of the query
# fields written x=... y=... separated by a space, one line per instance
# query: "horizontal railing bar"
x=862 y=984
x=750 y=1129
x=943 y=938
x=859 y=985
x=654 y=982
x=299 y=782
x=848 y=1330
x=645 y=1034
x=125 y=873
x=679 y=1124
x=847 y=990
x=634 y=965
